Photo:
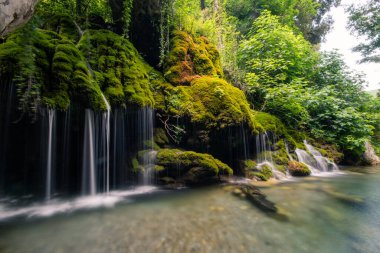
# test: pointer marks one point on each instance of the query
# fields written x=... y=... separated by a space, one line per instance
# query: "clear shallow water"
x=325 y=214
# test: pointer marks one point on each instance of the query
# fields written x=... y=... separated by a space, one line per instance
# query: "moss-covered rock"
x=53 y=68
x=212 y=103
x=44 y=64
x=298 y=169
x=174 y=158
x=190 y=58
x=119 y=69
x=190 y=167
x=280 y=156
x=264 y=173
x=160 y=137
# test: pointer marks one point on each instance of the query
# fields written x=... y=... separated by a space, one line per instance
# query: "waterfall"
x=323 y=163
x=146 y=117
x=49 y=160
x=264 y=155
x=314 y=160
x=305 y=158
x=287 y=151
x=106 y=144
x=88 y=165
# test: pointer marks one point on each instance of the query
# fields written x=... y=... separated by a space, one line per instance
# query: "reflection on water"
x=337 y=214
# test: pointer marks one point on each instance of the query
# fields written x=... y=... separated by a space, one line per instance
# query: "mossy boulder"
x=298 y=169
x=212 y=103
x=190 y=167
x=263 y=174
x=46 y=66
x=119 y=69
x=190 y=58
x=280 y=156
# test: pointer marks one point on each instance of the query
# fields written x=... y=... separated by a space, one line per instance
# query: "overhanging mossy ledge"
x=54 y=71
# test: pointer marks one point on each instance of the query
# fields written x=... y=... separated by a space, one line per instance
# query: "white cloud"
x=341 y=39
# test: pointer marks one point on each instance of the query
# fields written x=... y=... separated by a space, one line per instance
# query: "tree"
x=364 y=21
x=273 y=55
x=308 y=16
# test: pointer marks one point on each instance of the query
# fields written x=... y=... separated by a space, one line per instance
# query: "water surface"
x=337 y=214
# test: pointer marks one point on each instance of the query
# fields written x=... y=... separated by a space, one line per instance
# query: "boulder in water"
x=189 y=167
x=370 y=157
x=298 y=169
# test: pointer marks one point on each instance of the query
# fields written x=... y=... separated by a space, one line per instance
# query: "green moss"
x=280 y=157
x=120 y=70
x=298 y=169
x=53 y=66
x=135 y=165
x=212 y=103
x=160 y=137
x=173 y=159
x=190 y=58
x=249 y=164
x=264 y=174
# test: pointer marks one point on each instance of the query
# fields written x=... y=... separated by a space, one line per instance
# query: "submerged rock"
x=255 y=196
x=342 y=197
x=298 y=169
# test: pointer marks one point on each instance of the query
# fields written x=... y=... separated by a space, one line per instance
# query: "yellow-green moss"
x=212 y=103
x=190 y=58
x=160 y=137
x=120 y=71
x=51 y=66
x=280 y=157
x=298 y=169
x=174 y=158
x=264 y=174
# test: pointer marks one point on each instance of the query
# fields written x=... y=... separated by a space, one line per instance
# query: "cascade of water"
x=49 y=160
x=264 y=155
x=305 y=158
x=287 y=151
x=106 y=142
x=323 y=164
x=149 y=155
x=314 y=160
x=80 y=31
x=245 y=150
x=88 y=165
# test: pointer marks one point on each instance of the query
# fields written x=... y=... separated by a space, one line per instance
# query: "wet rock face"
x=369 y=156
x=14 y=13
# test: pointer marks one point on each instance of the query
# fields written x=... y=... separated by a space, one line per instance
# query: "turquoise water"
x=324 y=214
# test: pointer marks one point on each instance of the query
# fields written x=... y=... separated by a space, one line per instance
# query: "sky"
x=341 y=39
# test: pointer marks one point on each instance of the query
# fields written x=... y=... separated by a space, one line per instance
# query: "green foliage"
x=333 y=120
x=174 y=158
x=79 y=10
x=364 y=21
x=273 y=55
x=288 y=103
x=306 y=16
